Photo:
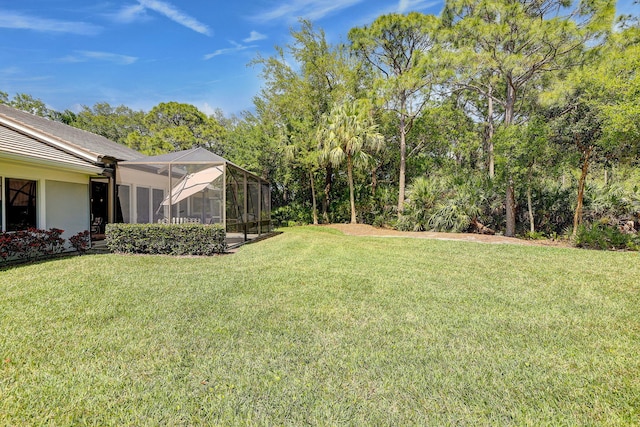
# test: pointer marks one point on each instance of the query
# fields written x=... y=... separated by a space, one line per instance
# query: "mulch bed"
x=368 y=230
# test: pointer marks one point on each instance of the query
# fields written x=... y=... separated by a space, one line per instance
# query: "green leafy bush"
x=535 y=235
x=604 y=237
x=168 y=239
x=291 y=215
x=443 y=204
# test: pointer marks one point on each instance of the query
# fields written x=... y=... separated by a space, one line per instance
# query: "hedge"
x=167 y=239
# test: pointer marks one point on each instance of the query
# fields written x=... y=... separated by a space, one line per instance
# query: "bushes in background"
x=603 y=236
x=167 y=239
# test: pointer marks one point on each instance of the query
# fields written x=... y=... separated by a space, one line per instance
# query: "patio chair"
x=96 y=225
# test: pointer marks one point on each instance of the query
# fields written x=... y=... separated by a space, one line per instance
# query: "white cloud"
x=87 y=55
x=207 y=109
x=19 y=21
x=15 y=74
x=137 y=12
x=130 y=14
x=403 y=6
x=254 y=36
x=176 y=15
x=415 y=5
x=237 y=47
x=310 y=9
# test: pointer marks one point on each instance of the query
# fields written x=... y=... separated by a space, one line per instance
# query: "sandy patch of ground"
x=368 y=230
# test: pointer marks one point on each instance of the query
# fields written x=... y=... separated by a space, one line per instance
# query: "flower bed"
x=33 y=243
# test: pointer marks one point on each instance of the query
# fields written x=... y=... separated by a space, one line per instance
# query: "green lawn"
x=314 y=327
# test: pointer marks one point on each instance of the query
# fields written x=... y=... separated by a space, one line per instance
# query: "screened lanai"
x=194 y=186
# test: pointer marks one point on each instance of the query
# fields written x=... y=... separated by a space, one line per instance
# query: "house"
x=56 y=176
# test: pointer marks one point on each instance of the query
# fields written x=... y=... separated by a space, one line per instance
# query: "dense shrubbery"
x=25 y=245
x=610 y=204
x=290 y=215
x=168 y=239
x=603 y=236
x=446 y=204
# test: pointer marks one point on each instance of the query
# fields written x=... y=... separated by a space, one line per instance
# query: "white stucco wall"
x=67 y=207
x=62 y=195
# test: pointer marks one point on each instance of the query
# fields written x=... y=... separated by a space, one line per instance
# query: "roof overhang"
x=49 y=139
x=27 y=160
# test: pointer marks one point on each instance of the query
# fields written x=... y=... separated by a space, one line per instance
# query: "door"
x=99 y=207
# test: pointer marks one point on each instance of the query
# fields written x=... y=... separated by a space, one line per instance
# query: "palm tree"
x=345 y=133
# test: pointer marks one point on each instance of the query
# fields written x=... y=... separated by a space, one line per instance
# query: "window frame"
x=5 y=207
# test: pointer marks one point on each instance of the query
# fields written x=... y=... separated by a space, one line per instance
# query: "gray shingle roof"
x=16 y=145
x=88 y=142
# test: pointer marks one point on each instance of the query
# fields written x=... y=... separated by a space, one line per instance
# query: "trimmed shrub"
x=166 y=239
x=30 y=244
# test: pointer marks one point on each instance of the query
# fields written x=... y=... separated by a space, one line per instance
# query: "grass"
x=314 y=327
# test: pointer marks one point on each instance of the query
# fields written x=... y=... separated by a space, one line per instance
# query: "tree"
x=67 y=117
x=596 y=108
x=578 y=127
x=174 y=126
x=347 y=132
x=523 y=149
x=402 y=49
x=286 y=103
x=612 y=86
x=514 y=44
x=296 y=97
x=28 y=103
x=114 y=123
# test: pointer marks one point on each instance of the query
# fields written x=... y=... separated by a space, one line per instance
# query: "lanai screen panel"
x=235 y=199
x=265 y=207
x=195 y=195
x=253 y=205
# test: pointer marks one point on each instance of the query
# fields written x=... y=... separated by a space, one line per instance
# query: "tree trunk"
x=481 y=228
x=510 y=104
x=326 y=200
x=511 y=210
x=577 y=216
x=511 y=198
x=374 y=180
x=352 y=199
x=490 y=132
x=403 y=164
x=532 y=225
x=313 y=198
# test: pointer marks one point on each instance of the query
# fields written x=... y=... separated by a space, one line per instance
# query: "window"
x=20 y=204
x=142 y=205
x=123 y=207
x=156 y=203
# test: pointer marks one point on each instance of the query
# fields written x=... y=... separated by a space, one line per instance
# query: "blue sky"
x=142 y=52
